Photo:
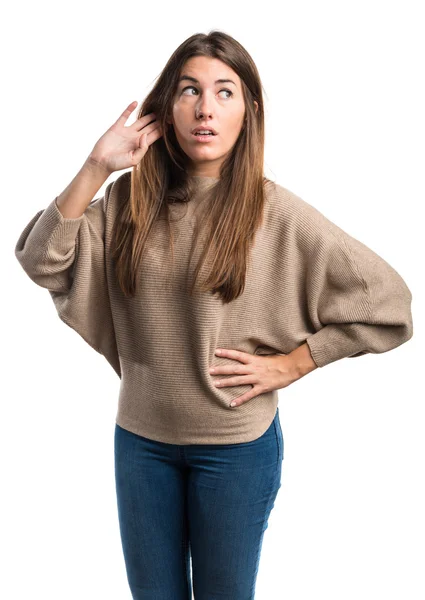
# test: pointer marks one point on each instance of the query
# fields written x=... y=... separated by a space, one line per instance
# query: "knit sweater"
x=307 y=281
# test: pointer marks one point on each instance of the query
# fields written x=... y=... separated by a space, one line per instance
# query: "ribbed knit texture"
x=307 y=280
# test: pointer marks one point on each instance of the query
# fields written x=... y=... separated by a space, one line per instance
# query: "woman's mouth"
x=204 y=137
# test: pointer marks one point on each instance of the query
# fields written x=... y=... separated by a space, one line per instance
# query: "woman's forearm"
x=76 y=197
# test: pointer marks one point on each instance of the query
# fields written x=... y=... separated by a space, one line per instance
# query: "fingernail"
x=233 y=403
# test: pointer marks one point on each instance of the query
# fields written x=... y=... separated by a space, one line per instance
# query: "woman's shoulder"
x=285 y=200
x=288 y=204
x=293 y=213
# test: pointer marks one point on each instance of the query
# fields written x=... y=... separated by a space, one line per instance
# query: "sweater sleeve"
x=356 y=302
x=67 y=257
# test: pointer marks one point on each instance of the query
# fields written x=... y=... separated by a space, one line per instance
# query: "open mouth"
x=204 y=137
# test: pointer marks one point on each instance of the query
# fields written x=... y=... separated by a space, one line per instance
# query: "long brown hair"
x=235 y=209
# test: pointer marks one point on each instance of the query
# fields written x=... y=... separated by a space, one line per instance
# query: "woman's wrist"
x=302 y=361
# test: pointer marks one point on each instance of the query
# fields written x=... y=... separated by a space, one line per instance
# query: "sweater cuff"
x=334 y=342
x=52 y=224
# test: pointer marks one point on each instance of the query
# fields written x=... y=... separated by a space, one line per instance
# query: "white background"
x=344 y=93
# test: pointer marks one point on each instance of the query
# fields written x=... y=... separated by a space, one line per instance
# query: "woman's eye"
x=191 y=87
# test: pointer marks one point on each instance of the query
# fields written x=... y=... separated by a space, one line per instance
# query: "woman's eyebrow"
x=196 y=81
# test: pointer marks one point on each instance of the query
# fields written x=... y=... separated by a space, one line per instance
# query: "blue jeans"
x=208 y=503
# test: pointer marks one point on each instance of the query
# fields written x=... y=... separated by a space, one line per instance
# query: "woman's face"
x=202 y=100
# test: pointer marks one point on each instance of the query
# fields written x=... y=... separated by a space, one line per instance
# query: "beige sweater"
x=308 y=280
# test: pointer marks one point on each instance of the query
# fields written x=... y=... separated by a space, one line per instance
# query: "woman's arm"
x=76 y=197
x=48 y=245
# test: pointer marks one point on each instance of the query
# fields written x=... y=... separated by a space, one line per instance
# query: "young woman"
x=208 y=288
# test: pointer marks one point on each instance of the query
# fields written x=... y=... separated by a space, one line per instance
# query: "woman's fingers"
x=122 y=119
x=139 y=123
x=150 y=128
x=145 y=121
x=149 y=137
x=154 y=135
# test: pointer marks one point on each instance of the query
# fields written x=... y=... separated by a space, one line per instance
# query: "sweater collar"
x=201 y=182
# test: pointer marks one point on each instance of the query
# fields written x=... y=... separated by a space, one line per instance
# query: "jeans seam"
x=279 y=447
x=257 y=560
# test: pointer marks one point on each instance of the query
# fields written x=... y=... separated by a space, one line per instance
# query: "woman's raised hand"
x=121 y=146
